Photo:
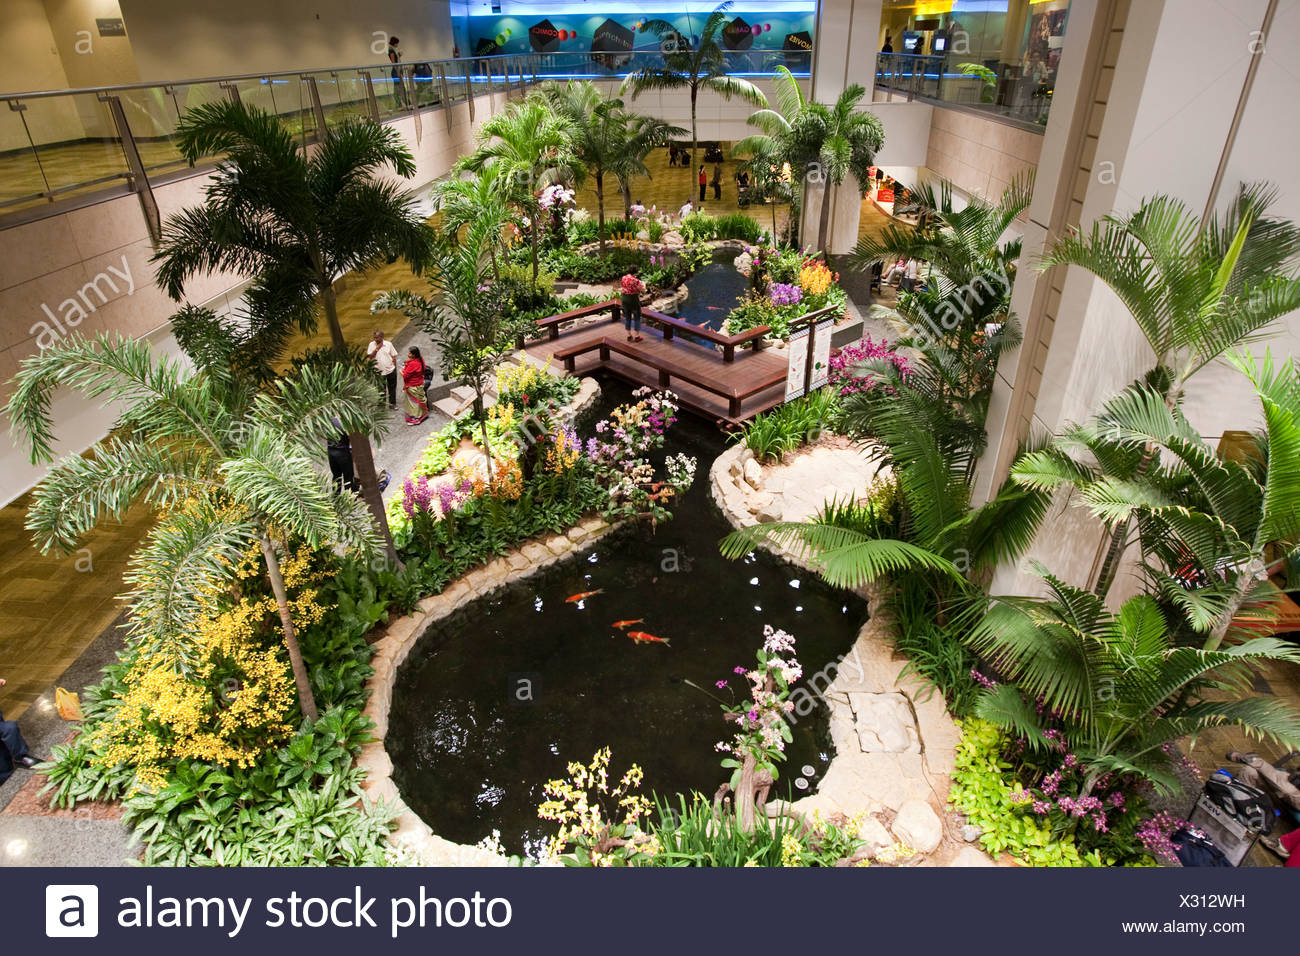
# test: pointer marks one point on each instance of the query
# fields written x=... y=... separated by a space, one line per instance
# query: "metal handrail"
x=931 y=78
x=596 y=56
x=264 y=75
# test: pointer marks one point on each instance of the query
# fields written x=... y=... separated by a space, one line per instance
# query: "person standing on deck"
x=631 y=288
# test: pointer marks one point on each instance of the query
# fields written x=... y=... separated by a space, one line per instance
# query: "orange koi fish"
x=582 y=595
x=641 y=637
x=623 y=625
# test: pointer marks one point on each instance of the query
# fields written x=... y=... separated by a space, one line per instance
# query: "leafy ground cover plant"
x=787 y=427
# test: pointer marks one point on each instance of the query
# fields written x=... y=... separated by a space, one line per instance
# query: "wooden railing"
x=551 y=324
x=728 y=342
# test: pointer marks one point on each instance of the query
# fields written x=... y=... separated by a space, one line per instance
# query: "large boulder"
x=873 y=835
x=885 y=723
x=918 y=826
x=969 y=856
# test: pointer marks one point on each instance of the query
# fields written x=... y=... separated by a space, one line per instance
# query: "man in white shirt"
x=384 y=356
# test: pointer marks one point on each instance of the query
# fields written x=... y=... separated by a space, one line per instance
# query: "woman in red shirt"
x=417 y=401
x=704 y=183
x=631 y=288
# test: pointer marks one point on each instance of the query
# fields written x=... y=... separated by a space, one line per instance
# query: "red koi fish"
x=641 y=637
x=624 y=625
x=582 y=595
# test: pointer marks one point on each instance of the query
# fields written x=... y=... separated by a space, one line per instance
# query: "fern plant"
x=1208 y=518
x=1118 y=682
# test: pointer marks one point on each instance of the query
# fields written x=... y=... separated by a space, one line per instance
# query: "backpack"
x=1248 y=805
x=1193 y=847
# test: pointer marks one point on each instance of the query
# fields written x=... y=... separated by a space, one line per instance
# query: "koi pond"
x=470 y=756
x=714 y=291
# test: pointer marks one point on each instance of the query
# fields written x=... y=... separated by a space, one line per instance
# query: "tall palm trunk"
x=824 y=221
x=1118 y=543
x=306 y=700
x=695 y=144
x=600 y=209
x=532 y=240
x=625 y=188
x=482 y=420
x=1246 y=578
x=363 y=457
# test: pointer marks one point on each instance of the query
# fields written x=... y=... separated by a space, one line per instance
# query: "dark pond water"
x=714 y=292
x=469 y=758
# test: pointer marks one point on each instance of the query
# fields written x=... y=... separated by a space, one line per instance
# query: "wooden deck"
x=729 y=393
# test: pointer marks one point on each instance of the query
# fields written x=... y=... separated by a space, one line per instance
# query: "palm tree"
x=295 y=221
x=768 y=151
x=956 y=329
x=606 y=139
x=1220 y=517
x=775 y=124
x=476 y=199
x=1196 y=289
x=830 y=142
x=702 y=68
x=962 y=245
x=1122 y=686
x=466 y=316
x=225 y=465
x=527 y=147
x=769 y=178
x=645 y=134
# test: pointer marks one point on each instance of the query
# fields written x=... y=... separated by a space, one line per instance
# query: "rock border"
x=911 y=807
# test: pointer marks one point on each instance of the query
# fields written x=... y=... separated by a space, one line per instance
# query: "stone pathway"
x=895 y=744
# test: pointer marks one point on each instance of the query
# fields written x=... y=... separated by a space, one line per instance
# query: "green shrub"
x=787 y=427
x=931 y=642
x=524 y=294
x=753 y=310
x=981 y=791
x=785 y=266
x=737 y=226
x=301 y=805
x=621 y=228
x=757 y=309
x=698 y=227
x=572 y=265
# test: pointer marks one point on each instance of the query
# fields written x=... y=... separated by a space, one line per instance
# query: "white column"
x=844 y=54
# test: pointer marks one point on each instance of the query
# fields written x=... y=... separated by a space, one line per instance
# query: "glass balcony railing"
x=950 y=80
x=83 y=145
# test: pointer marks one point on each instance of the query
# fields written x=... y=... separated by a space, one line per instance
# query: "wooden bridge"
x=719 y=380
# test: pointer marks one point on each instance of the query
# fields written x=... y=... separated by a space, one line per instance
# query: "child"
x=632 y=287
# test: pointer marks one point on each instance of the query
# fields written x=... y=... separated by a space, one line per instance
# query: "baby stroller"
x=1232 y=814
